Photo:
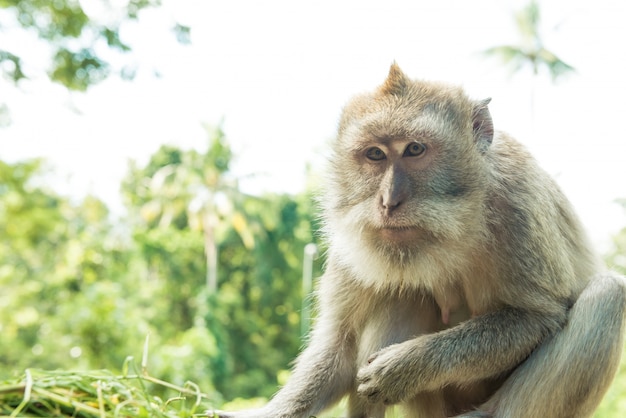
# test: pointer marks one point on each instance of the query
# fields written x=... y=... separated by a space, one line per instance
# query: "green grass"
x=99 y=394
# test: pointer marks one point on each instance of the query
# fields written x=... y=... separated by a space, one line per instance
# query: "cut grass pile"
x=99 y=394
x=96 y=394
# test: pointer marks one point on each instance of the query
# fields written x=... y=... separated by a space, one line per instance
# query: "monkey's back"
x=534 y=226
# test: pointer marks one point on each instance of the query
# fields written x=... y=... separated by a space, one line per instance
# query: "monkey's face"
x=407 y=169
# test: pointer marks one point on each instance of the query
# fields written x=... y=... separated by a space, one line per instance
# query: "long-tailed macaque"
x=459 y=281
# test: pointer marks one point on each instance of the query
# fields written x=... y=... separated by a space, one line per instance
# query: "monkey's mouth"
x=399 y=233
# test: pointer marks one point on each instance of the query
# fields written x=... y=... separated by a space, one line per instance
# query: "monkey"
x=459 y=281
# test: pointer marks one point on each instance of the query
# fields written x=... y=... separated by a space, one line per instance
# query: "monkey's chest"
x=404 y=319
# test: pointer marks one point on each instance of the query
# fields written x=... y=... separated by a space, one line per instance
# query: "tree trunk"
x=210 y=252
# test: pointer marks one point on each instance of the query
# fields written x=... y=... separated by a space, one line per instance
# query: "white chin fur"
x=383 y=265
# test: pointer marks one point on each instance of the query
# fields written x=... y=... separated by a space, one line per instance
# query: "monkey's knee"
x=608 y=281
x=585 y=354
x=604 y=299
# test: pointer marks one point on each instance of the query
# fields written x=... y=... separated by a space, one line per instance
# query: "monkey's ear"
x=396 y=81
x=482 y=124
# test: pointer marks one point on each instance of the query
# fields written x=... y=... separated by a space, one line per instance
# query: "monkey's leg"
x=567 y=375
x=426 y=405
x=360 y=408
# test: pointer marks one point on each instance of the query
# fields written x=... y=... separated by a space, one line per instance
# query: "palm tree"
x=199 y=186
x=531 y=51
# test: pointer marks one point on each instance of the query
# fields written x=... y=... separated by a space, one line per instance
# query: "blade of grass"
x=27 y=393
x=100 y=400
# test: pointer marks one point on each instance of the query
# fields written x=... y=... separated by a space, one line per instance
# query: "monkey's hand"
x=392 y=374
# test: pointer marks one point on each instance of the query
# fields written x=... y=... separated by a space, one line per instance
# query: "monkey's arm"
x=322 y=375
x=479 y=348
x=324 y=371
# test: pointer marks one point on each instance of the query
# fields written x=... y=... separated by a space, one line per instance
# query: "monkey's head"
x=407 y=170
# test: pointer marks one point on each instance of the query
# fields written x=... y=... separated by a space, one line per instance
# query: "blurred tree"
x=76 y=38
x=531 y=51
x=172 y=253
x=253 y=317
x=79 y=291
x=5 y=115
x=259 y=299
x=53 y=251
x=195 y=190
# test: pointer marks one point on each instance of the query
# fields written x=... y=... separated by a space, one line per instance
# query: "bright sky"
x=278 y=73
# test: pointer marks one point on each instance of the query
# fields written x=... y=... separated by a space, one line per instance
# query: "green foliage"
x=77 y=61
x=183 y=33
x=265 y=286
x=11 y=66
x=81 y=290
x=77 y=70
x=52 y=252
x=182 y=198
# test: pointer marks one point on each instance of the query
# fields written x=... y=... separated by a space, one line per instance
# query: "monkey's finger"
x=363 y=376
x=372 y=394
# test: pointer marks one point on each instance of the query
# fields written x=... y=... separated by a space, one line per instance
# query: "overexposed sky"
x=278 y=73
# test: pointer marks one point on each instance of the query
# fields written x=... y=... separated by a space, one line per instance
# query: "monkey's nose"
x=389 y=204
x=394 y=190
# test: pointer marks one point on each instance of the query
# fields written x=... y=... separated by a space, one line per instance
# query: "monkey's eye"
x=375 y=154
x=414 y=149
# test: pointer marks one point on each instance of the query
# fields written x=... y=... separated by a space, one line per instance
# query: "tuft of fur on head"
x=396 y=82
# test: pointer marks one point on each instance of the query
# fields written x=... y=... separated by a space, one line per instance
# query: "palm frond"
x=512 y=56
x=528 y=20
x=556 y=66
